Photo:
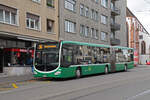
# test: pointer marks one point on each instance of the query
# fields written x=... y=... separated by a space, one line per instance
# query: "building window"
x=104 y=36
x=50 y=25
x=8 y=15
x=13 y=18
x=82 y=30
x=96 y=34
x=96 y=1
x=70 y=26
x=112 y=36
x=86 y=11
x=1 y=15
x=92 y=32
x=86 y=31
x=38 y=1
x=33 y=21
x=104 y=3
x=70 y=5
x=112 y=20
x=140 y=36
x=112 y=6
x=94 y=14
x=82 y=9
x=50 y=3
x=143 y=47
x=103 y=19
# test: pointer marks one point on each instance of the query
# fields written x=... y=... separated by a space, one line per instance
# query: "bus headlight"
x=58 y=72
x=34 y=72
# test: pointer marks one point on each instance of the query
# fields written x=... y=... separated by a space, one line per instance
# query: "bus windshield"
x=47 y=57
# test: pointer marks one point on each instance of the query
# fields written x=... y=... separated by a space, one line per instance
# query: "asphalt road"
x=131 y=85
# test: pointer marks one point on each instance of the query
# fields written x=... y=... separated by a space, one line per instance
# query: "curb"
x=14 y=79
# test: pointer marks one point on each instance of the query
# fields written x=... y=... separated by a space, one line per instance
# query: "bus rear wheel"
x=78 y=73
x=106 y=70
x=125 y=68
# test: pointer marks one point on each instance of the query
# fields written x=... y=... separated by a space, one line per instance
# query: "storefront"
x=16 y=56
x=16 y=53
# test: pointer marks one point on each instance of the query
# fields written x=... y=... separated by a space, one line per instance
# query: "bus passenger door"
x=113 y=59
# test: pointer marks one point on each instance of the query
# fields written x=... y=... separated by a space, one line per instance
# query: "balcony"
x=115 y=26
x=114 y=41
x=115 y=11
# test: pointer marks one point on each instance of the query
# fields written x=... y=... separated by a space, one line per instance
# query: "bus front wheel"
x=78 y=73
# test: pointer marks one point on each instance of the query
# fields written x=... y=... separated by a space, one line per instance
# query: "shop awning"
x=23 y=37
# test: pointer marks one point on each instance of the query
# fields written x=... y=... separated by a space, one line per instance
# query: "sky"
x=141 y=9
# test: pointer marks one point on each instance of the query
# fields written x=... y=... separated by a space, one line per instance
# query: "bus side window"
x=75 y=54
x=67 y=57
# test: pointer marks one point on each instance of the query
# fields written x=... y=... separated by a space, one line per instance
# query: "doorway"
x=1 y=60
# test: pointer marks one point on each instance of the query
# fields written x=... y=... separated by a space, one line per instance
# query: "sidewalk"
x=12 y=79
x=143 y=66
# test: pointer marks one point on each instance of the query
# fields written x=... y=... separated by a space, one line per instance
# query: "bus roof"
x=95 y=45
x=88 y=44
x=120 y=47
x=92 y=44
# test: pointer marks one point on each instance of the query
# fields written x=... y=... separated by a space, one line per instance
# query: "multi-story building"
x=138 y=38
x=23 y=22
x=94 y=21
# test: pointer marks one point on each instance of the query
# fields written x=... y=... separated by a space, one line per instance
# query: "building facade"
x=144 y=48
x=94 y=21
x=138 y=38
x=22 y=23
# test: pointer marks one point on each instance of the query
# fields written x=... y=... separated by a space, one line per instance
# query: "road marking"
x=14 y=85
x=5 y=89
x=139 y=95
x=11 y=86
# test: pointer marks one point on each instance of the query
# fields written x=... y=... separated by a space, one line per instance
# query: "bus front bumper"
x=56 y=74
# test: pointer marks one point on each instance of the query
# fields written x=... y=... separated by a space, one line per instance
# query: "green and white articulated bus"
x=67 y=59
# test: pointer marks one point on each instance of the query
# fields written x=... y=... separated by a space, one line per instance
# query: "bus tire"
x=106 y=70
x=125 y=68
x=78 y=73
